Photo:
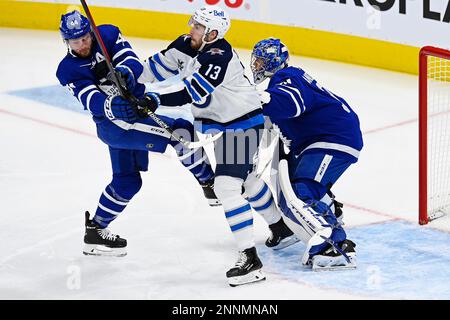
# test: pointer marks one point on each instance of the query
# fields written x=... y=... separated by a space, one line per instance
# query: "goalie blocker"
x=326 y=245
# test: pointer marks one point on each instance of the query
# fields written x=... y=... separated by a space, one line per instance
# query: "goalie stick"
x=127 y=95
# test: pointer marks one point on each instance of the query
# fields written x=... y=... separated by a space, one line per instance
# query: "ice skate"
x=281 y=236
x=101 y=242
x=247 y=269
x=332 y=259
x=208 y=191
x=338 y=211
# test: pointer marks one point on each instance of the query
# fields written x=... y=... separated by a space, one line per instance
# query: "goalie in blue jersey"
x=121 y=125
x=323 y=136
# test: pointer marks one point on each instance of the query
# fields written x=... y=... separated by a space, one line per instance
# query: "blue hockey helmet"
x=74 y=25
x=268 y=56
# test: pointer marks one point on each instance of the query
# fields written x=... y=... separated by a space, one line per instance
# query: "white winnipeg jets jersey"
x=214 y=80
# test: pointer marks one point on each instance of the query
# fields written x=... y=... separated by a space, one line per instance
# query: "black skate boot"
x=101 y=242
x=338 y=211
x=247 y=269
x=281 y=236
x=336 y=259
x=208 y=191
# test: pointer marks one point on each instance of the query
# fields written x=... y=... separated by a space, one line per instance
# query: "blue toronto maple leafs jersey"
x=310 y=116
x=86 y=77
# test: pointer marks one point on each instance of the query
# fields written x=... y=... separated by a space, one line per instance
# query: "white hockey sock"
x=261 y=199
x=237 y=210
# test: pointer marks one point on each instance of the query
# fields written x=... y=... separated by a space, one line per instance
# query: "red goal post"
x=434 y=140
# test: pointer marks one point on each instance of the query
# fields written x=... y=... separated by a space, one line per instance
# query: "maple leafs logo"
x=74 y=21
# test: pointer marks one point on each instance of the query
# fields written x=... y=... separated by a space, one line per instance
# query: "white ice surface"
x=53 y=168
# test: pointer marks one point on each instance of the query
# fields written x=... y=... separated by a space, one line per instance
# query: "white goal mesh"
x=437 y=106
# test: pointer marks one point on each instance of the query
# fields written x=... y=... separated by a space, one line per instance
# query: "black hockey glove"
x=126 y=78
x=149 y=103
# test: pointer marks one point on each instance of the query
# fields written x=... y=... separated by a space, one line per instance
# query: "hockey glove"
x=116 y=107
x=126 y=77
x=149 y=103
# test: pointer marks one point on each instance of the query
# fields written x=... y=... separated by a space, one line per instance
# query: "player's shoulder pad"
x=182 y=44
x=108 y=32
x=219 y=52
x=286 y=73
x=68 y=69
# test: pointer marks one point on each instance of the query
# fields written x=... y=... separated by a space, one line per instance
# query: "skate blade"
x=100 y=250
x=286 y=242
x=253 y=276
x=321 y=263
x=214 y=202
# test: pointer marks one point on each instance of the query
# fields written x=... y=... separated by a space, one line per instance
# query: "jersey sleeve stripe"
x=203 y=82
x=88 y=99
x=91 y=87
x=155 y=71
x=131 y=58
x=159 y=61
x=121 y=52
x=299 y=110
x=194 y=95
x=125 y=66
x=198 y=88
x=298 y=94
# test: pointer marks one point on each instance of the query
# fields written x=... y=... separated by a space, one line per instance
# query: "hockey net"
x=434 y=134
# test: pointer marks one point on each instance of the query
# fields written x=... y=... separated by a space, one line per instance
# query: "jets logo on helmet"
x=74 y=25
x=268 y=56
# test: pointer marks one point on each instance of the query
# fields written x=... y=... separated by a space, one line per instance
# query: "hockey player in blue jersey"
x=120 y=125
x=323 y=135
x=211 y=78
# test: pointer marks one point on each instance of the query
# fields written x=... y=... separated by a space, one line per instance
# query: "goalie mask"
x=268 y=56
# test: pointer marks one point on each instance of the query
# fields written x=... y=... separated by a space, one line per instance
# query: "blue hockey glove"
x=127 y=75
x=150 y=102
x=116 y=107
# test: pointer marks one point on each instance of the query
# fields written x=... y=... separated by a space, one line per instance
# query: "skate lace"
x=241 y=260
x=107 y=235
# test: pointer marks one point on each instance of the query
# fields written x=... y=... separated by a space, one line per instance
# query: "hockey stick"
x=127 y=95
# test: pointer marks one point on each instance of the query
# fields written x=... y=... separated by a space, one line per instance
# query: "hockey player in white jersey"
x=324 y=138
x=223 y=100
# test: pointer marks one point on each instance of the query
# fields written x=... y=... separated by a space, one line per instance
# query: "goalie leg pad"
x=313 y=222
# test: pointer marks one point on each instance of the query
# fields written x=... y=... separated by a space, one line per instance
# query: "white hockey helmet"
x=213 y=18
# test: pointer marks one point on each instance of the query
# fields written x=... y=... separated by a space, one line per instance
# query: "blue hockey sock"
x=116 y=196
x=109 y=207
